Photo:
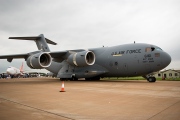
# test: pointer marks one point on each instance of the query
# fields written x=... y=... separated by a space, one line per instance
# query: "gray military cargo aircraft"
x=136 y=59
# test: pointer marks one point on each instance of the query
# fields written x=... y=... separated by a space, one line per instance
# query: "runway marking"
x=37 y=108
x=163 y=110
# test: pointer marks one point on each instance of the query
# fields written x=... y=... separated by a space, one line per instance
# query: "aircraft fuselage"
x=118 y=61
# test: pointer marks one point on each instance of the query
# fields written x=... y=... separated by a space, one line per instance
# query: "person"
x=2 y=75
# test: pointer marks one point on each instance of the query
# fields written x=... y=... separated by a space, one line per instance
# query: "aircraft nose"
x=9 y=71
x=166 y=59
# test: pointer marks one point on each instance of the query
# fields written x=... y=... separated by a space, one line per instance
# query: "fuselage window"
x=148 y=49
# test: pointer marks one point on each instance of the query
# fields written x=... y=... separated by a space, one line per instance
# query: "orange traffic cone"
x=62 y=88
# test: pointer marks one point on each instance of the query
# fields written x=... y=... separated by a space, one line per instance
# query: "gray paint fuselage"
x=118 y=61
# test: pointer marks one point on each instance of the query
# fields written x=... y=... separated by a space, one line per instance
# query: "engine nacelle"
x=82 y=58
x=39 y=60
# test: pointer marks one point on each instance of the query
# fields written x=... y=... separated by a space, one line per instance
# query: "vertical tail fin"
x=40 y=40
x=22 y=68
x=42 y=44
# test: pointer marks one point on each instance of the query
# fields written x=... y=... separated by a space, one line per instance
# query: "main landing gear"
x=92 y=79
x=69 y=79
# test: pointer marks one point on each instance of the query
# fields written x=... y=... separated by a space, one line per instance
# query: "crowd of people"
x=25 y=75
x=4 y=76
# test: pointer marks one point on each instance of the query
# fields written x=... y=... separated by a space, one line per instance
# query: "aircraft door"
x=136 y=59
x=135 y=65
x=125 y=67
x=114 y=65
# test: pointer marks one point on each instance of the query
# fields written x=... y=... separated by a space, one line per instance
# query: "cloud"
x=88 y=24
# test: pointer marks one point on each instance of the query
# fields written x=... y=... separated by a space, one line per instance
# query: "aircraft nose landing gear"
x=151 y=79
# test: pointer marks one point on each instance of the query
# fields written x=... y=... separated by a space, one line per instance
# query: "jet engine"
x=81 y=59
x=39 y=60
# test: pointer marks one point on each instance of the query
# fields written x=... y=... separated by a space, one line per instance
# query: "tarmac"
x=40 y=99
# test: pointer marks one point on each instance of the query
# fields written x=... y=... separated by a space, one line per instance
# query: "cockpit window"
x=158 y=48
x=150 y=49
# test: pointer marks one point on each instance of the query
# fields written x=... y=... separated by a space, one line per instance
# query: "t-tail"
x=40 y=40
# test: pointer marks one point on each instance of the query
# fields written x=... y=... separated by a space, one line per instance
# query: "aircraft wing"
x=10 y=57
x=56 y=54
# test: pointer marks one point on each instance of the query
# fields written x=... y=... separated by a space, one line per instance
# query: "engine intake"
x=82 y=58
x=39 y=60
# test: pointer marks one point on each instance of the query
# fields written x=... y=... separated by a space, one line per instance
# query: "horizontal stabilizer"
x=33 y=38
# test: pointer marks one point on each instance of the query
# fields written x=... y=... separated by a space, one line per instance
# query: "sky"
x=81 y=24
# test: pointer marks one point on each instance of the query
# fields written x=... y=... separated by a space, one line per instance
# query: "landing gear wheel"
x=151 y=79
x=87 y=79
x=63 y=79
x=74 y=79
